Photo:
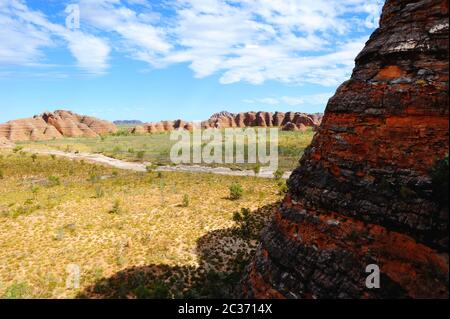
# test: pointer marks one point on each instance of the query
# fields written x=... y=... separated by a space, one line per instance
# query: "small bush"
x=140 y=155
x=150 y=168
x=116 y=208
x=17 y=149
x=53 y=181
x=34 y=157
x=99 y=192
x=243 y=221
x=257 y=168
x=1 y=174
x=236 y=191
x=93 y=178
x=53 y=156
x=186 y=200
x=278 y=174
x=17 y=291
x=282 y=187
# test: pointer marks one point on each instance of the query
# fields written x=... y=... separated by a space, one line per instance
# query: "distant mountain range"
x=128 y=122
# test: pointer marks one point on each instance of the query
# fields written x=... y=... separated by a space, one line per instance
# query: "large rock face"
x=363 y=192
x=53 y=125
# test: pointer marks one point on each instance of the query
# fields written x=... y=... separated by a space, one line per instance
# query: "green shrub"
x=99 y=192
x=439 y=180
x=243 y=221
x=186 y=200
x=18 y=290
x=93 y=178
x=282 y=187
x=236 y=191
x=53 y=181
x=157 y=290
x=278 y=174
x=150 y=168
x=116 y=208
x=17 y=149
x=140 y=155
x=257 y=168
x=34 y=157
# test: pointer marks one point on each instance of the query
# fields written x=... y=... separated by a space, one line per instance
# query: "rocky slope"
x=289 y=121
x=53 y=125
x=363 y=193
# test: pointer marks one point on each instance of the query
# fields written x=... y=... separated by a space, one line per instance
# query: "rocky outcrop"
x=241 y=120
x=261 y=119
x=52 y=125
x=363 y=193
x=4 y=143
x=289 y=126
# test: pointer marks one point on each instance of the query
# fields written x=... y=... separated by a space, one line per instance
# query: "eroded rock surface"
x=363 y=193
x=240 y=120
x=52 y=125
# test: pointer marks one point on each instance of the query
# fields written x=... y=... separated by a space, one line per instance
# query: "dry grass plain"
x=155 y=148
x=133 y=235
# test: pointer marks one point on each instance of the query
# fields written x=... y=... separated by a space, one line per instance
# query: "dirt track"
x=141 y=167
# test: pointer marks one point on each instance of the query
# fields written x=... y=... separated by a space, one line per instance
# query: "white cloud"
x=259 y=40
x=292 y=41
x=27 y=32
x=319 y=99
x=137 y=36
x=20 y=40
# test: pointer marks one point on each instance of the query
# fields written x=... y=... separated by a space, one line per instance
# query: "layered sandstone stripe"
x=288 y=121
x=363 y=192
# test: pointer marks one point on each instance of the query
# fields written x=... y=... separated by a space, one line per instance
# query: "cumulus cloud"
x=24 y=33
x=319 y=99
x=291 y=41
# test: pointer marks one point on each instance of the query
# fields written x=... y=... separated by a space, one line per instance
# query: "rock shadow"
x=222 y=257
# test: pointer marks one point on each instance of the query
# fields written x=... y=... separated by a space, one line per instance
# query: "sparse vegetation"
x=236 y=191
x=186 y=200
x=278 y=174
x=116 y=207
x=147 y=231
x=156 y=147
x=53 y=181
x=18 y=290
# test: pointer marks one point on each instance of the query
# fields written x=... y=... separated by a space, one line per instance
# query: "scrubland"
x=155 y=148
x=132 y=235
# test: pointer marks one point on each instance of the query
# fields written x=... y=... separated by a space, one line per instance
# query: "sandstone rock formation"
x=289 y=126
x=363 y=193
x=53 y=125
x=240 y=120
x=5 y=143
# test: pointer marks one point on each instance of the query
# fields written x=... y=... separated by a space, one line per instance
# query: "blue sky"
x=155 y=60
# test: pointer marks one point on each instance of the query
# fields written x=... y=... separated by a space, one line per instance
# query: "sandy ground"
x=141 y=167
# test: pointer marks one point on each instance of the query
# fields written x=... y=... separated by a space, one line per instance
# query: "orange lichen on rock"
x=390 y=72
x=363 y=193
